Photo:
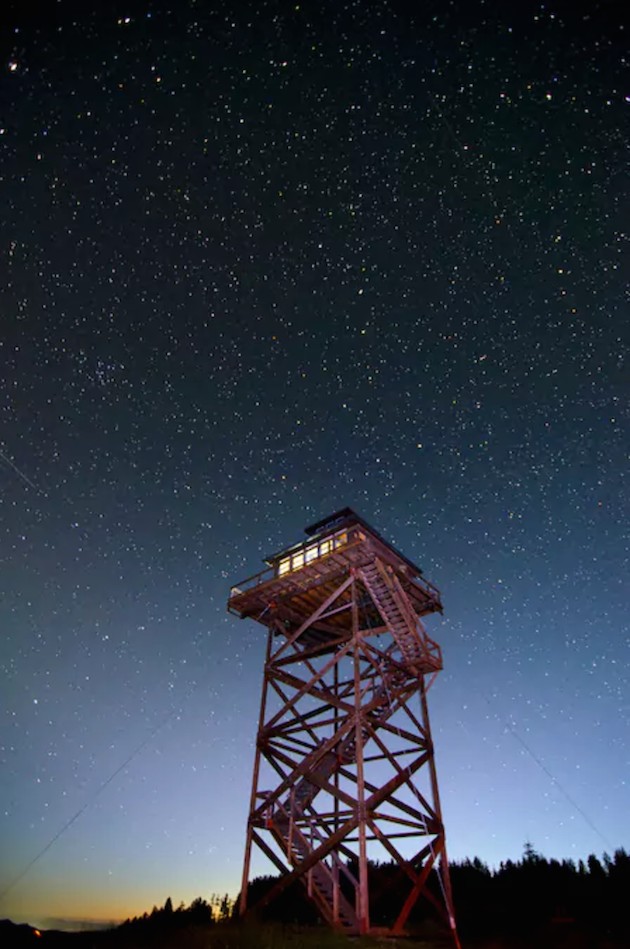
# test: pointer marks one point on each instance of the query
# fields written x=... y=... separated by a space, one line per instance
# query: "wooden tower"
x=344 y=770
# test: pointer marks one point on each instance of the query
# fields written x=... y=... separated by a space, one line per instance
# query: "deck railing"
x=299 y=556
x=316 y=549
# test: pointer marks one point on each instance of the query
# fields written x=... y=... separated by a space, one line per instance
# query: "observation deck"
x=299 y=579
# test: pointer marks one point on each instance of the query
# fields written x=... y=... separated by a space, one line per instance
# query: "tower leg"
x=442 y=868
x=363 y=901
x=242 y=909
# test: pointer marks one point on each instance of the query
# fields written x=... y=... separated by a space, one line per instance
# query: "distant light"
x=36 y=932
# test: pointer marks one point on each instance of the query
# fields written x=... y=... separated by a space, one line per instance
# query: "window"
x=306 y=555
x=311 y=553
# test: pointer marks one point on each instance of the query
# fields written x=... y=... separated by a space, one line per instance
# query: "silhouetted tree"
x=529 y=854
x=225 y=908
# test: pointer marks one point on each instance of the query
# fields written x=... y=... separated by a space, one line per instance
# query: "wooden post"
x=364 y=898
x=252 y=800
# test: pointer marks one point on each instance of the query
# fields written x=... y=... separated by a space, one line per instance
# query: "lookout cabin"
x=299 y=579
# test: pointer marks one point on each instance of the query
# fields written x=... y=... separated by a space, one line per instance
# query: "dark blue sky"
x=259 y=261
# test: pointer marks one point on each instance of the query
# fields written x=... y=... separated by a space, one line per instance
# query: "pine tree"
x=225 y=908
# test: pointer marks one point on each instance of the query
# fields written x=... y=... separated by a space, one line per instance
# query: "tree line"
x=516 y=898
x=536 y=892
x=200 y=912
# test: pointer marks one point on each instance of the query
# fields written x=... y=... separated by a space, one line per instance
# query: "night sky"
x=259 y=261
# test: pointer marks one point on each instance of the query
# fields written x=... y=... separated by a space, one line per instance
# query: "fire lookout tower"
x=344 y=769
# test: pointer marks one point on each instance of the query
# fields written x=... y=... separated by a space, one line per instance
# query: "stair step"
x=322 y=883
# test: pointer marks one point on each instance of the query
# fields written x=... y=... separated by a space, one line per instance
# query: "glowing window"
x=341 y=539
x=311 y=553
x=297 y=560
x=284 y=566
x=325 y=547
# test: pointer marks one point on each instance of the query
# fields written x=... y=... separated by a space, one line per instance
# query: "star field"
x=260 y=261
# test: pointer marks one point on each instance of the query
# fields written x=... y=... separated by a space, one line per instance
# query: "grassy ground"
x=230 y=936
x=266 y=937
x=285 y=937
x=252 y=936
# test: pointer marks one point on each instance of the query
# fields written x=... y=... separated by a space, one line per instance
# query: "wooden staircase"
x=346 y=751
x=401 y=621
x=319 y=879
